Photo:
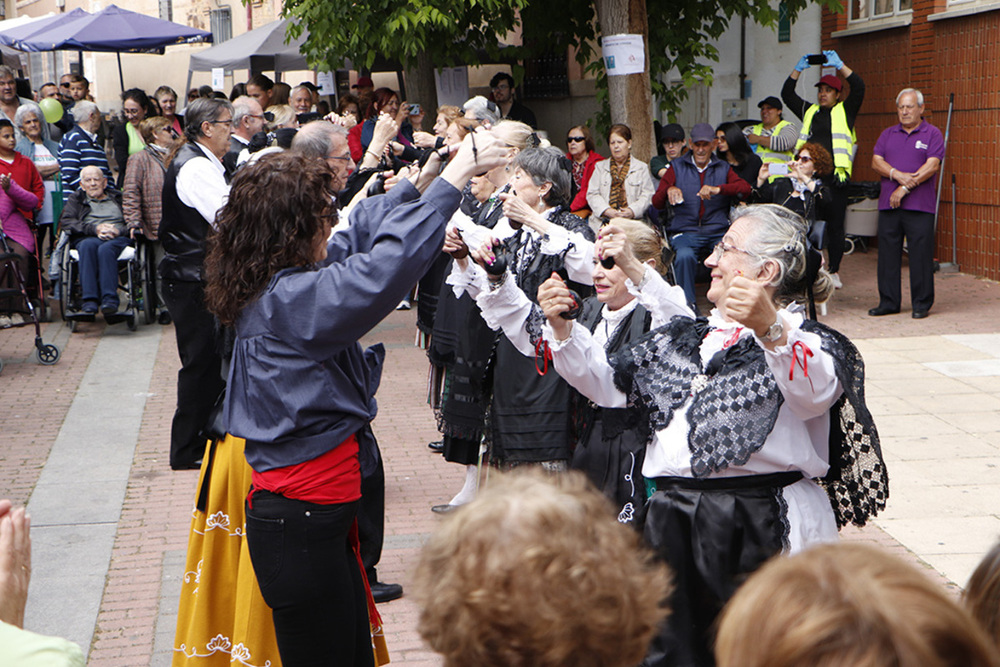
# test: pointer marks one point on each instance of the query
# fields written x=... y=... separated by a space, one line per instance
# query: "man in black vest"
x=194 y=189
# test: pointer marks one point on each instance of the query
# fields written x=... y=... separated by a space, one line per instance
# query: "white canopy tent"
x=263 y=48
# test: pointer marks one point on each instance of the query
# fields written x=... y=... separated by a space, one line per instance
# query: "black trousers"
x=918 y=229
x=835 y=212
x=371 y=520
x=310 y=578
x=199 y=381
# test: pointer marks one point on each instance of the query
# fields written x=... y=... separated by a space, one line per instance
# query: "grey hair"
x=781 y=236
x=202 y=110
x=314 y=139
x=482 y=109
x=545 y=165
x=25 y=110
x=6 y=71
x=83 y=110
x=904 y=91
x=242 y=107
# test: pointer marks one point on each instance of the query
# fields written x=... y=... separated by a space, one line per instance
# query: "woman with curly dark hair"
x=301 y=389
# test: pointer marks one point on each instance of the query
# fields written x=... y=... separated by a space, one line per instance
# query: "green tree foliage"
x=457 y=32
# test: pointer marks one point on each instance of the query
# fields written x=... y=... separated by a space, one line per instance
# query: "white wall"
x=768 y=64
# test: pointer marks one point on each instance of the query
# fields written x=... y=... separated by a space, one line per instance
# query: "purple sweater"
x=14 y=224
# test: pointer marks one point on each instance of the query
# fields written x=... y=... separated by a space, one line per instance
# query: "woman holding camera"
x=802 y=192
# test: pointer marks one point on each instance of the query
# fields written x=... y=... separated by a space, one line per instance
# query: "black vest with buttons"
x=182 y=228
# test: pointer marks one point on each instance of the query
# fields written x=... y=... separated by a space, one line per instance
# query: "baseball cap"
x=672 y=132
x=702 y=132
x=772 y=102
x=832 y=81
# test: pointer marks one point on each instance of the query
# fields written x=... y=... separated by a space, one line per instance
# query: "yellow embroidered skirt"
x=222 y=618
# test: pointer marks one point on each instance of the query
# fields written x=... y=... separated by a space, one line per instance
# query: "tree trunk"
x=630 y=96
x=421 y=88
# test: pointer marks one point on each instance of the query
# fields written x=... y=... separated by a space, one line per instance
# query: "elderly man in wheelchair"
x=93 y=217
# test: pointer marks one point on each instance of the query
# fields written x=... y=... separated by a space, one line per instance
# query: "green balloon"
x=52 y=109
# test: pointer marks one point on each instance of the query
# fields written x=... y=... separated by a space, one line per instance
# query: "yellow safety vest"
x=843 y=138
x=766 y=154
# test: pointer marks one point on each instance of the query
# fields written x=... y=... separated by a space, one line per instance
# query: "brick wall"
x=957 y=56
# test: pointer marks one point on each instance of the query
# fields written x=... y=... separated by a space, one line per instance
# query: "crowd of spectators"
x=556 y=294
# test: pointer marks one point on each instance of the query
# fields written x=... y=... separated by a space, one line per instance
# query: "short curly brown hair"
x=820 y=157
x=537 y=572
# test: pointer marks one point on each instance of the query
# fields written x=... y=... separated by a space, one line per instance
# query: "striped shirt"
x=79 y=149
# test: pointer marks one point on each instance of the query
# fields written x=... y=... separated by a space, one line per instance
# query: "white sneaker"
x=5 y=322
x=836 y=280
x=404 y=304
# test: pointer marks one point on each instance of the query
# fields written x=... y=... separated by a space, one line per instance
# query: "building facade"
x=941 y=47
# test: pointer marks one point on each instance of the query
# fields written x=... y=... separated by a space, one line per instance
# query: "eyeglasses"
x=345 y=158
x=721 y=248
x=228 y=122
x=803 y=158
x=576 y=139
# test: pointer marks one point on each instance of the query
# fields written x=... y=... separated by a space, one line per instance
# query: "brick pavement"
x=156 y=512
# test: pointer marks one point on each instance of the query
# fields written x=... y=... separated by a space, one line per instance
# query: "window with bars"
x=166 y=10
x=867 y=10
x=221 y=24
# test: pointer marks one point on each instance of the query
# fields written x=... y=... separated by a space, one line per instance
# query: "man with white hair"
x=248 y=120
x=328 y=142
x=907 y=156
x=80 y=147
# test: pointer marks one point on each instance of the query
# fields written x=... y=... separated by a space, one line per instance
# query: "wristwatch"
x=774 y=331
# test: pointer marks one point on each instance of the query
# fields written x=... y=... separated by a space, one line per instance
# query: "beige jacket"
x=639 y=189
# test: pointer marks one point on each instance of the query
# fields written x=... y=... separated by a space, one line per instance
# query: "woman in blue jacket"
x=301 y=389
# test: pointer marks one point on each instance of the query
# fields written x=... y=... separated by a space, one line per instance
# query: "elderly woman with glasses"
x=757 y=435
x=583 y=156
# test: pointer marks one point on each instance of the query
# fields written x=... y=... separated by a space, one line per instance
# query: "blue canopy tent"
x=112 y=30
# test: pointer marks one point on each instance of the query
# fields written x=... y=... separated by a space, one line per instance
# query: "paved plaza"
x=85 y=445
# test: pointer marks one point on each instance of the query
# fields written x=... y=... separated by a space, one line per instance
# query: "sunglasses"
x=64 y=85
x=803 y=158
x=576 y=139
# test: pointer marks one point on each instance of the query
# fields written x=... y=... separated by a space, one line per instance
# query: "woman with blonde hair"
x=847 y=604
x=608 y=447
x=536 y=572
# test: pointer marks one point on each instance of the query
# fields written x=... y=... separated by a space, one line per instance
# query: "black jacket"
x=182 y=229
x=78 y=207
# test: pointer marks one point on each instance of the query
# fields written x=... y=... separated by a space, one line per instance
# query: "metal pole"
x=121 y=78
x=947 y=267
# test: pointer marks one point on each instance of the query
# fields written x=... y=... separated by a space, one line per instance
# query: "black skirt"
x=614 y=465
x=712 y=536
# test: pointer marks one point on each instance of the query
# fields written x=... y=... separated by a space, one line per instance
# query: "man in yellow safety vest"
x=773 y=138
x=830 y=123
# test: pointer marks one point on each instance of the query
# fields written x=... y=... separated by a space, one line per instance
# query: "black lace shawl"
x=736 y=403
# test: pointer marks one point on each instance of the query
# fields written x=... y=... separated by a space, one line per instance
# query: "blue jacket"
x=300 y=383
x=687 y=216
x=26 y=147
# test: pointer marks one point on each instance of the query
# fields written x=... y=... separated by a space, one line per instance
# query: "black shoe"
x=89 y=308
x=193 y=465
x=920 y=314
x=879 y=311
x=164 y=318
x=436 y=446
x=109 y=307
x=385 y=592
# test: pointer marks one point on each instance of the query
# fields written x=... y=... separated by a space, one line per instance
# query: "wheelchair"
x=135 y=286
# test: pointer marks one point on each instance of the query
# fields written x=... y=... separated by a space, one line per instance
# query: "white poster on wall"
x=452 y=85
x=327 y=86
x=218 y=78
x=623 y=54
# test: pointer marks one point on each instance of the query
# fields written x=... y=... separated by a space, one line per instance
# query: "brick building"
x=940 y=47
